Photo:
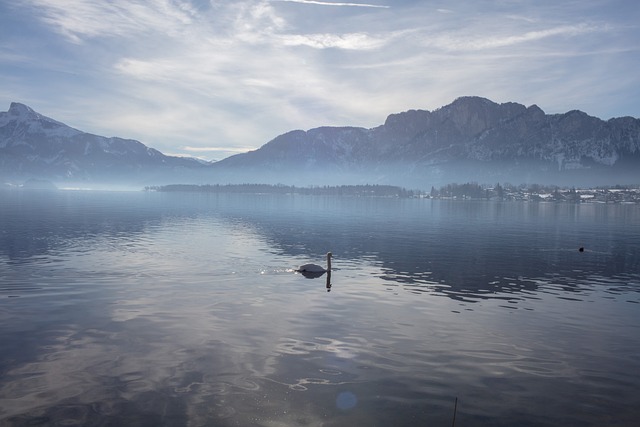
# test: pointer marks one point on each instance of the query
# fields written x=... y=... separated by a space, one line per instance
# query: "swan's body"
x=315 y=268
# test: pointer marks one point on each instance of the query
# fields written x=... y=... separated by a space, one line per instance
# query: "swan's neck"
x=328 y=263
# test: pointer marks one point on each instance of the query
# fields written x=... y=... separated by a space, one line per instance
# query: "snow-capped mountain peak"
x=20 y=110
x=35 y=146
x=24 y=120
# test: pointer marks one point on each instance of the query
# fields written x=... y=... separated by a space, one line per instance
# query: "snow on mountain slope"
x=481 y=134
x=33 y=145
x=470 y=128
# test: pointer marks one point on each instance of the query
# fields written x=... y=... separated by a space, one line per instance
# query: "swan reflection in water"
x=313 y=271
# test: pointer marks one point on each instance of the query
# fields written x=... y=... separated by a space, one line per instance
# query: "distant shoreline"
x=366 y=190
x=468 y=191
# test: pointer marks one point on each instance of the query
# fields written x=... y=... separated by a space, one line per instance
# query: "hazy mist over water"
x=136 y=308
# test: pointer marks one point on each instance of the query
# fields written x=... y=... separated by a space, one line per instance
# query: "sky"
x=210 y=79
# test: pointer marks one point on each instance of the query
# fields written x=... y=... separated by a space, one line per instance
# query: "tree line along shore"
x=467 y=191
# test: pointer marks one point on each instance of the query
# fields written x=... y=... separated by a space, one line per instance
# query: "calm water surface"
x=156 y=309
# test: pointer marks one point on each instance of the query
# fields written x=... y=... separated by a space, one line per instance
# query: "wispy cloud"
x=350 y=41
x=455 y=42
x=79 y=19
x=217 y=149
x=327 y=3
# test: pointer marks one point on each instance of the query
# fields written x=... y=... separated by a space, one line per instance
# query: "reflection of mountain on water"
x=36 y=223
x=464 y=250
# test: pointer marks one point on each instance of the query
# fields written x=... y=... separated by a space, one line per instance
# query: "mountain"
x=33 y=146
x=471 y=139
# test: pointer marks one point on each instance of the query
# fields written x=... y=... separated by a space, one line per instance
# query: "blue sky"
x=214 y=78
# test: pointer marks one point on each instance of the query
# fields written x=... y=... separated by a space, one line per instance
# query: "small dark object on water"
x=581 y=249
x=455 y=409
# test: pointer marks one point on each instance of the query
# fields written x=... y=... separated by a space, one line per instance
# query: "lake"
x=168 y=309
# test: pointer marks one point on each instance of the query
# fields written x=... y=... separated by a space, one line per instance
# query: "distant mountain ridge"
x=36 y=146
x=471 y=139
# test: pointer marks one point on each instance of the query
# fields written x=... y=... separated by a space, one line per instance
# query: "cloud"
x=488 y=41
x=326 y=3
x=81 y=19
x=217 y=149
x=351 y=41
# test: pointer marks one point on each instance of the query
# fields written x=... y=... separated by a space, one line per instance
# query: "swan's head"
x=329 y=254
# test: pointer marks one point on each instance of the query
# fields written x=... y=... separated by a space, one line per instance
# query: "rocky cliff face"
x=470 y=139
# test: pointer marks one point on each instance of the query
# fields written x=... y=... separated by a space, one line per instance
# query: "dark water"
x=183 y=309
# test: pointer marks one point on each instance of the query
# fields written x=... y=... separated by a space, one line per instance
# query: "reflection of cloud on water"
x=335 y=347
x=301 y=384
x=199 y=321
x=136 y=370
x=83 y=368
x=162 y=347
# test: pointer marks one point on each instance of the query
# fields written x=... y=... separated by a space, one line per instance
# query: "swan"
x=315 y=268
